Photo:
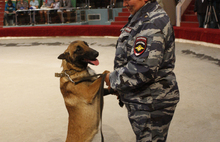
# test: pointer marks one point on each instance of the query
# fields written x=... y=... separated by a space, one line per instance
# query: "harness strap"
x=89 y=78
x=68 y=73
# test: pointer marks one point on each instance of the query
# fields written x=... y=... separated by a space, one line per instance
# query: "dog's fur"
x=82 y=103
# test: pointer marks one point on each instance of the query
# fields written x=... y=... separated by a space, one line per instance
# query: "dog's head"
x=80 y=54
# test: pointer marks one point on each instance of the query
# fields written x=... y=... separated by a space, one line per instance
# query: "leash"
x=101 y=94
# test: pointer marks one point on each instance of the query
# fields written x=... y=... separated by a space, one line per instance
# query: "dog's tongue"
x=95 y=62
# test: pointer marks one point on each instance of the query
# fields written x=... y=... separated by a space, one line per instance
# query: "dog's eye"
x=78 y=49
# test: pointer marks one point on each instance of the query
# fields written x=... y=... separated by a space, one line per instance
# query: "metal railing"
x=180 y=9
x=32 y=13
x=33 y=16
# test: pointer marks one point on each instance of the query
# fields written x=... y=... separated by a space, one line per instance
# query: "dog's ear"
x=64 y=55
x=86 y=43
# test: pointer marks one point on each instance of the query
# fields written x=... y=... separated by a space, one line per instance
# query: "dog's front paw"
x=106 y=72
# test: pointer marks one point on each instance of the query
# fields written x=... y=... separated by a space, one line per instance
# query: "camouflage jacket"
x=144 y=60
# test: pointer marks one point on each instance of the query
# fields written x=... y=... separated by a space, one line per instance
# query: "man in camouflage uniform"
x=143 y=70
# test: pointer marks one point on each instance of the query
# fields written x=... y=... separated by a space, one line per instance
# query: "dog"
x=79 y=88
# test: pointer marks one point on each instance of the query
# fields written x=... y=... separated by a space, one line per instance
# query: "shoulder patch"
x=140 y=46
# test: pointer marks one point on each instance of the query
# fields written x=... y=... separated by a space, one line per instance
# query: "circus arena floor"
x=32 y=108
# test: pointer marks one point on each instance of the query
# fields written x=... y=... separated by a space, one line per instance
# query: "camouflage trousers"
x=150 y=126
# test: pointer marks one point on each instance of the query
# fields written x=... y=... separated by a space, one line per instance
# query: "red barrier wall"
x=2 y=6
x=197 y=34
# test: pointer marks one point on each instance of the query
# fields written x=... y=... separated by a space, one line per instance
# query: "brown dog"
x=82 y=103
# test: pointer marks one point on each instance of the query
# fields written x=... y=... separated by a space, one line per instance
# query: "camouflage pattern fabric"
x=143 y=66
x=150 y=126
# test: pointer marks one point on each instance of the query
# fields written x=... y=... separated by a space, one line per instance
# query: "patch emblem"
x=140 y=46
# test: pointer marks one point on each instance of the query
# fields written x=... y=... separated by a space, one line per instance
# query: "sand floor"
x=32 y=108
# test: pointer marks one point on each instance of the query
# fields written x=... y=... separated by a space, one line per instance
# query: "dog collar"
x=68 y=73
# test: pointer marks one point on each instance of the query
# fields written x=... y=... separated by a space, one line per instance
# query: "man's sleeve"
x=13 y=7
x=143 y=63
x=195 y=6
x=5 y=7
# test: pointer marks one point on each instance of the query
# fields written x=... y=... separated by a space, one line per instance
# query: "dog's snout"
x=94 y=53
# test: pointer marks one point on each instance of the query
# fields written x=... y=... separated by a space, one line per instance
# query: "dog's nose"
x=96 y=54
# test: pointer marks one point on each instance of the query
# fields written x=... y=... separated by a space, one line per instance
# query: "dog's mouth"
x=93 y=62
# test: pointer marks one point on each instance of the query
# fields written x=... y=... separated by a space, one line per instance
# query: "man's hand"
x=107 y=80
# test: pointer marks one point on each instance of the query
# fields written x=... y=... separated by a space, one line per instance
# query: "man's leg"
x=200 y=20
x=151 y=126
x=203 y=20
x=68 y=15
x=6 y=20
x=160 y=123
